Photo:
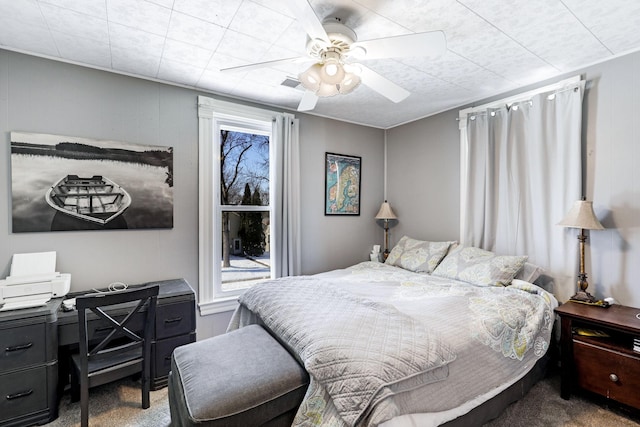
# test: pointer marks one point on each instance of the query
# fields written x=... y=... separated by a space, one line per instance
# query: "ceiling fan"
x=336 y=53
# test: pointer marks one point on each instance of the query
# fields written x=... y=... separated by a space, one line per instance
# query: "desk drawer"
x=162 y=350
x=175 y=319
x=609 y=373
x=22 y=346
x=23 y=392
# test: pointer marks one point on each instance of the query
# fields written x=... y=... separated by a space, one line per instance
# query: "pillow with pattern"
x=418 y=256
x=480 y=267
x=530 y=272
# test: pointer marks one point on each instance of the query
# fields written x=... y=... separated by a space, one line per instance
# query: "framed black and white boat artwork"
x=62 y=183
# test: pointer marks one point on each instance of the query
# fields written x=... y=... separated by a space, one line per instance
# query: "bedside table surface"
x=618 y=316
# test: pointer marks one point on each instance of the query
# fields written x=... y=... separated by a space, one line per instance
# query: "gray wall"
x=423 y=174
x=612 y=150
x=424 y=170
x=39 y=95
x=338 y=241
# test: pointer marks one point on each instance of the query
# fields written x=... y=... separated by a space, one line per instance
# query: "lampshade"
x=332 y=72
x=581 y=215
x=330 y=77
x=386 y=212
x=311 y=78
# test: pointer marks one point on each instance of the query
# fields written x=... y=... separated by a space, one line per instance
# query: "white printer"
x=32 y=281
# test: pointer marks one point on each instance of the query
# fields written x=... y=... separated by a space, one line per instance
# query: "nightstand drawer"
x=22 y=346
x=611 y=374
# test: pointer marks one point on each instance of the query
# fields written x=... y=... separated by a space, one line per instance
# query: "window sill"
x=221 y=305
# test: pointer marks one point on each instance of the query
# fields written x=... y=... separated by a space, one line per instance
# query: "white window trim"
x=210 y=111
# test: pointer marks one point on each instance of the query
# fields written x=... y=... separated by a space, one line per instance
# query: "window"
x=244 y=207
x=244 y=237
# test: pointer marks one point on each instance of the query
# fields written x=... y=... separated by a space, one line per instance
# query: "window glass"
x=245 y=193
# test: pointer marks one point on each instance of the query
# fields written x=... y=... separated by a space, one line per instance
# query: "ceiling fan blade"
x=433 y=43
x=308 y=101
x=256 y=65
x=308 y=19
x=382 y=85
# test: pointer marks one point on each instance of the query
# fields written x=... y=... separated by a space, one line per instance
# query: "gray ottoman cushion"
x=242 y=378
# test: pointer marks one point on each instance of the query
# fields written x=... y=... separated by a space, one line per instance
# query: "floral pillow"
x=530 y=272
x=418 y=256
x=479 y=267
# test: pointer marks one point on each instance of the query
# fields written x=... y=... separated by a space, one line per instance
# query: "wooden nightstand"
x=607 y=366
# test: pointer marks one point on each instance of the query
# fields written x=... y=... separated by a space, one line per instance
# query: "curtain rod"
x=519 y=97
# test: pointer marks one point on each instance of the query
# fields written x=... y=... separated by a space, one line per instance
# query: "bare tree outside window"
x=244 y=181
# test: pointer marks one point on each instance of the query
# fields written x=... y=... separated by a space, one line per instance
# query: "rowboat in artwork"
x=97 y=199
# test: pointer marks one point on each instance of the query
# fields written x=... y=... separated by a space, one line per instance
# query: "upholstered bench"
x=242 y=378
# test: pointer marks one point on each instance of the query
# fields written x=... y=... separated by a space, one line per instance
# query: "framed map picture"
x=342 y=184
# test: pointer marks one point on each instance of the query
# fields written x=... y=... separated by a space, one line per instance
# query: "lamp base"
x=584 y=297
x=385 y=255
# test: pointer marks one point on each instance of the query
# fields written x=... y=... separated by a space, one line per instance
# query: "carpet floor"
x=118 y=405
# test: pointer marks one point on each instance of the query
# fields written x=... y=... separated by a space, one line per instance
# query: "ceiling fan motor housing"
x=340 y=36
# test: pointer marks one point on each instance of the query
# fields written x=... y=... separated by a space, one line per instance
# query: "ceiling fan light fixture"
x=349 y=83
x=327 y=89
x=311 y=78
x=332 y=72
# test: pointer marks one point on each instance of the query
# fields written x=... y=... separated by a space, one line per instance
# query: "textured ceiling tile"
x=186 y=53
x=219 y=61
x=373 y=26
x=136 y=41
x=95 y=8
x=293 y=39
x=219 y=12
x=179 y=72
x=259 y=22
x=546 y=28
x=615 y=22
x=419 y=15
x=71 y=22
x=163 y=3
x=135 y=62
x=24 y=11
x=139 y=14
x=348 y=12
x=447 y=66
x=21 y=36
x=242 y=46
x=218 y=82
x=85 y=50
x=194 y=31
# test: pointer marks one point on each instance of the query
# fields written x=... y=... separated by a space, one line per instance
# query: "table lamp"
x=386 y=213
x=581 y=216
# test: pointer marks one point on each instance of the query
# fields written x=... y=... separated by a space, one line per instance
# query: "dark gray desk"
x=38 y=343
x=29 y=365
x=175 y=326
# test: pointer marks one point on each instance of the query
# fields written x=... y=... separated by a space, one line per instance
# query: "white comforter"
x=495 y=333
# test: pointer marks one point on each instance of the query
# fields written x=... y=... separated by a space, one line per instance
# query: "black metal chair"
x=124 y=351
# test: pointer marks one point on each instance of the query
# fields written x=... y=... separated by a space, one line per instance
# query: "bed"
x=437 y=334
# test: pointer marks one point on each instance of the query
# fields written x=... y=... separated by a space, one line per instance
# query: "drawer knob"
x=613 y=377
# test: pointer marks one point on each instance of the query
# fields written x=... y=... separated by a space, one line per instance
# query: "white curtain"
x=287 y=220
x=522 y=170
